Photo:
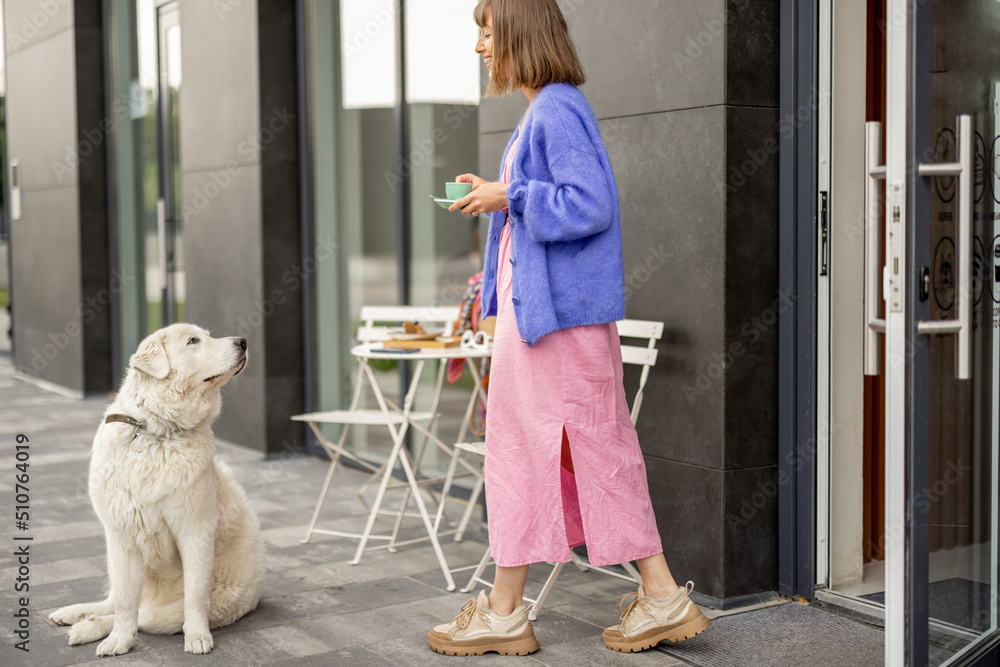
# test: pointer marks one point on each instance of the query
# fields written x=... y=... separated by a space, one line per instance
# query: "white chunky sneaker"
x=478 y=630
x=647 y=622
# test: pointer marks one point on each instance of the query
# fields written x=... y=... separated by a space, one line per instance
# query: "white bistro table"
x=398 y=420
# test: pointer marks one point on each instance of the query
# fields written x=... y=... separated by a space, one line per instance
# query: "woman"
x=563 y=464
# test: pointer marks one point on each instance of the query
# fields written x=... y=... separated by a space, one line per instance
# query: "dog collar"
x=125 y=419
x=131 y=421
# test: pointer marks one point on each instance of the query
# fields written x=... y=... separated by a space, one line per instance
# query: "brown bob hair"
x=531 y=45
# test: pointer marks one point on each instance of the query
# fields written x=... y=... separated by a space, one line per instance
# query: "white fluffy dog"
x=184 y=547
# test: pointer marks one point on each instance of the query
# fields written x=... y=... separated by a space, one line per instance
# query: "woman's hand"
x=471 y=178
x=486 y=196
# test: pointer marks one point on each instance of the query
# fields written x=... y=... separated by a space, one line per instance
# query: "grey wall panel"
x=223 y=249
x=673 y=242
x=642 y=57
x=688 y=501
x=219 y=110
x=378 y=169
x=48 y=334
x=639 y=57
x=491 y=148
x=57 y=129
x=238 y=109
x=501 y=114
x=31 y=22
x=48 y=338
x=41 y=114
x=223 y=252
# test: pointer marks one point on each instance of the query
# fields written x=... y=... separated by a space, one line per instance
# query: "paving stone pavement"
x=316 y=609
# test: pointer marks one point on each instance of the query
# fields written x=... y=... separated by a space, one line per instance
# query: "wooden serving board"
x=453 y=341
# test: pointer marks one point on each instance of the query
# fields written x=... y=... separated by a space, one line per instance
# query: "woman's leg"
x=656 y=578
x=508 y=589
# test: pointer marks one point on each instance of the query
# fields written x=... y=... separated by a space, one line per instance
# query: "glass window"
x=351 y=90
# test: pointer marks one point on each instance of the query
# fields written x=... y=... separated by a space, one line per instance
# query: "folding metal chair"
x=375 y=328
x=631 y=354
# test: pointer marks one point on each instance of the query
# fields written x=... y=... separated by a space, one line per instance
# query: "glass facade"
x=356 y=175
x=145 y=72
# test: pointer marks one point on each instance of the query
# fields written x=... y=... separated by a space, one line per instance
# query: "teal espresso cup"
x=455 y=191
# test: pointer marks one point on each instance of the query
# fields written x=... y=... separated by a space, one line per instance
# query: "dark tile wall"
x=686 y=96
x=239 y=146
x=752 y=52
x=57 y=128
x=749 y=558
x=93 y=199
x=280 y=218
x=752 y=300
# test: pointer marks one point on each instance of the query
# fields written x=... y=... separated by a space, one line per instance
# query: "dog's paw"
x=69 y=615
x=198 y=642
x=116 y=644
x=90 y=630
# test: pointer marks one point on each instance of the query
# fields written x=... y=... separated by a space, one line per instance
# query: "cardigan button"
x=512 y=262
x=494 y=237
x=524 y=340
x=516 y=301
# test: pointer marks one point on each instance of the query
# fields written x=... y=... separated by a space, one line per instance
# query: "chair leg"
x=334 y=452
x=449 y=479
x=544 y=593
x=476 y=576
x=322 y=497
x=377 y=504
x=467 y=515
x=428 y=525
x=477 y=394
x=418 y=457
x=633 y=572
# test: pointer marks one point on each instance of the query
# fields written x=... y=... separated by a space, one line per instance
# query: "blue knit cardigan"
x=566 y=244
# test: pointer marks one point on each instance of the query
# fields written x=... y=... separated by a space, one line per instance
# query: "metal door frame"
x=906 y=554
x=167 y=15
x=797 y=277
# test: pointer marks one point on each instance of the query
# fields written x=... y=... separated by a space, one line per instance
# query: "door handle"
x=874 y=173
x=962 y=170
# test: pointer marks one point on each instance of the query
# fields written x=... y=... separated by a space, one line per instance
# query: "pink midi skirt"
x=570 y=381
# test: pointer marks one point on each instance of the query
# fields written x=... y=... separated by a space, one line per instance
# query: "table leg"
x=427 y=523
x=418 y=457
x=398 y=437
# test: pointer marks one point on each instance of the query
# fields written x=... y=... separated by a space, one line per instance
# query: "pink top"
x=569 y=382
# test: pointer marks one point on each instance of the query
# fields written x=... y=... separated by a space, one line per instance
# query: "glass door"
x=169 y=224
x=939 y=284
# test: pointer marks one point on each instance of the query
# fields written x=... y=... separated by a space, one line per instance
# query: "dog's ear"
x=151 y=358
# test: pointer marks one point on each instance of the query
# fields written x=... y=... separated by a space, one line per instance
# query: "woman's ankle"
x=501 y=608
x=660 y=589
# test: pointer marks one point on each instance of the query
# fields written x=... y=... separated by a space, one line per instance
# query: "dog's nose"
x=241 y=343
